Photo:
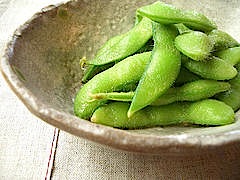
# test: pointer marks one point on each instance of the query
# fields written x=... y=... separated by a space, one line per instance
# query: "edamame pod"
x=232 y=97
x=119 y=47
x=138 y=18
x=147 y=47
x=115 y=115
x=195 y=45
x=215 y=68
x=114 y=96
x=115 y=78
x=193 y=91
x=128 y=87
x=205 y=112
x=238 y=67
x=126 y=45
x=182 y=28
x=209 y=112
x=185 y=76
x=230 y=55
x=167 y=14
x=92 y=70
x=222 y=40
x=162 y=70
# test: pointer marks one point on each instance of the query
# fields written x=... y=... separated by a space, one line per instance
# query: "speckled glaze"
x=41 y=65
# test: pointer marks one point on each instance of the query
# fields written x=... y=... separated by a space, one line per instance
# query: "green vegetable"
x=120 y=47
x=222 y=40
x=193 y=91
x=125 y=45
x=185 y=76
x=128 y=87
x=114 y=96
x=195 y=45
x=167 y=14
x=182 y=28
x=230 y=55
x=126 y=72
x=214 y=68
x=143 y=66
x=205 y=112
x=92 y=70
x=161 y=72
x=232 y=96
x=147 y=47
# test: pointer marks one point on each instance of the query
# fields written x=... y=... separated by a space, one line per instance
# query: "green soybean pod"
x=92 y=70
x=128 y=87
x=114 y=96
x=205 y=112
x=185 y=76
x=182 y=28
x=138 y=18
x=195 y=45
x=168 y=14
x=147 y=47
x=238 y=67
x=119 y=47
x=127 y=45
x=222 y=40
x=232 y=96
x=193 y=91
x=215 y=68
x=128 y=71
x=230 y=55
x=209 y=112
x=162 y=70
x=115 y=115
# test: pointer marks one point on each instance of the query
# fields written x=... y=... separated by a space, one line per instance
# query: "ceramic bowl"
x=41 y=65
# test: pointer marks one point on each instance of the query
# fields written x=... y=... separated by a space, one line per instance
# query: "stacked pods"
x=173 y=67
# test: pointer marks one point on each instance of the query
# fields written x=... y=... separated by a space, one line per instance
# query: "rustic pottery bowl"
x=41 y=64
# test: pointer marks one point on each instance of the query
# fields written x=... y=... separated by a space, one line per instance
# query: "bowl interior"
x=46 y=51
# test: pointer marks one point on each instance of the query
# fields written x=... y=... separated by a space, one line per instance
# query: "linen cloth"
x=25 y=141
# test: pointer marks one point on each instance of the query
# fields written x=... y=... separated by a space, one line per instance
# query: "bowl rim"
x=116 y=138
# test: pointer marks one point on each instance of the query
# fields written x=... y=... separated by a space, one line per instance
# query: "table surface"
x=33 y=149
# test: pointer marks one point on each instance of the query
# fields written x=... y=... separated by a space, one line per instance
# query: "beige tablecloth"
x=25 y=141
x=27 y=144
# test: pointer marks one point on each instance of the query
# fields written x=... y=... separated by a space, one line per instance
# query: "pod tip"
x=93 y=118
x=130 y=113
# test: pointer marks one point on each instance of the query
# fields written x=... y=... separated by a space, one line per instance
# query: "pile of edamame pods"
x=172 y=67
